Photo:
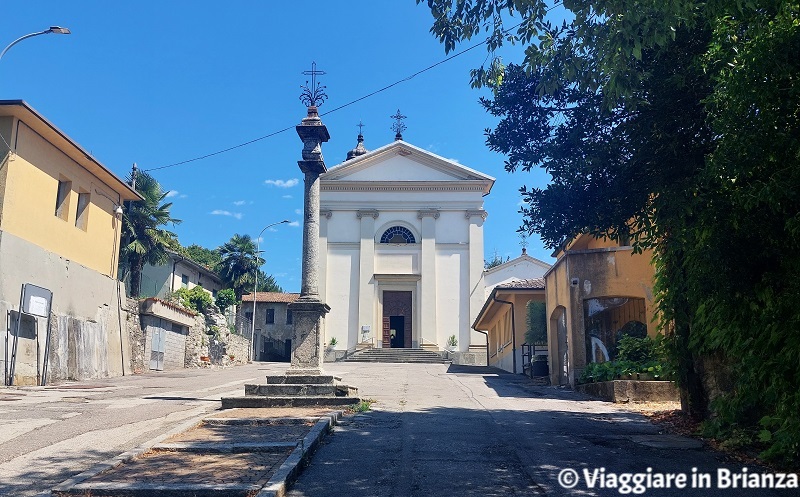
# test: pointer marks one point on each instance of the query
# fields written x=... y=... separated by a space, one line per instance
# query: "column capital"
x=434 y=213
x=373 y=213
x=327 y=213
x=476 y=212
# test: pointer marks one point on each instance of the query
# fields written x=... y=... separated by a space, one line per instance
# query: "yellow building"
x=597 y=291
x=503 y=319
x=60 y=222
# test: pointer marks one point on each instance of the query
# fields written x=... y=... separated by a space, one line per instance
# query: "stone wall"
x=210 y=342
x=132 y=323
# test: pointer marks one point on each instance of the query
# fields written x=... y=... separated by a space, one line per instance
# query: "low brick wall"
x=622 y=391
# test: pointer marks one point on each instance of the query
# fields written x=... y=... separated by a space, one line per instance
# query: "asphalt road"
x=48 y=434
x=456 y=431
x=434 y=430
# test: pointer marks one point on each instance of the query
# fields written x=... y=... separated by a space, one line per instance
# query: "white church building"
x=401 y=249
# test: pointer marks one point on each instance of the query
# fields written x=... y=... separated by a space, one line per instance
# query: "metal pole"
x=255 y=289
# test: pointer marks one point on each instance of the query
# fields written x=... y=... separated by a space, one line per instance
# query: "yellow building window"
x=62 y=198
x=82 y=212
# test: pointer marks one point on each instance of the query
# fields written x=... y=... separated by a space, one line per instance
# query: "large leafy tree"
x=209 y=258
x=238 y=265
x=239 y=262
x=144 y=238
x=674 y=123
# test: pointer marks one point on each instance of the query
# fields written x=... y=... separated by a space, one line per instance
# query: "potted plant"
x=452 y=343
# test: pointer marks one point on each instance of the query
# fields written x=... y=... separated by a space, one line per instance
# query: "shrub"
x=536 y=317
x=225 y=298
x=195 y=299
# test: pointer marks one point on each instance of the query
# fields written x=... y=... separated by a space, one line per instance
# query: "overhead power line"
x=254 y=140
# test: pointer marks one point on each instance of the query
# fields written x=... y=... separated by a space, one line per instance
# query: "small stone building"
x=272 y=330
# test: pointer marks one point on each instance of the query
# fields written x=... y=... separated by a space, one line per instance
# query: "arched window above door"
x=397 y=234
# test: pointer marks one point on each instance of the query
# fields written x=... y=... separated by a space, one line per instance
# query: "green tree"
x=144 y=240
x=674 y=124
x=267 y=283
x=536 y=321
x=495 y=261
x=239 y=262
x=225 y=298
x=209 y=258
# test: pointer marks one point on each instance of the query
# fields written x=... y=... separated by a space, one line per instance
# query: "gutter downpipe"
x=513 y=334
x=486 y=334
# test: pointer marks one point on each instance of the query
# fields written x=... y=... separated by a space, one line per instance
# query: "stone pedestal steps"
x=389 y=355
x=295 y=391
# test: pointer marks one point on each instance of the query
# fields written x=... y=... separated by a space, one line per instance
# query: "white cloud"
x=295 y=223
x=218 y=212
x=287 y=196
x=454 y=160
x=299 y=212
x=281 y=183
x=240 y=202
x=172 y=193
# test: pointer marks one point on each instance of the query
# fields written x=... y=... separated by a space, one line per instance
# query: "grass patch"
x=361 y=406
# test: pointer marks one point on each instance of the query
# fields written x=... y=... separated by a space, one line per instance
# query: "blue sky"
x=157 y=83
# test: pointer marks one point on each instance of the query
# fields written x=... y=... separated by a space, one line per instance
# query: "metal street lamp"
x=255 y=288
x=53 y=29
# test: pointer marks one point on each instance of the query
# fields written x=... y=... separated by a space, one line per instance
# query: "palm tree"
x=239 y=263
x=144 y=241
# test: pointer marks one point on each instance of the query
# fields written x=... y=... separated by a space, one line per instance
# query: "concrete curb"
x=293 y=465
x=276 y=486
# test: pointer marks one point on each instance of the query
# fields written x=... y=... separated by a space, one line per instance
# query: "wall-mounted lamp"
x=118 y=211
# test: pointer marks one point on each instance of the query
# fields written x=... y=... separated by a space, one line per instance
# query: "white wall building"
x=401 y=249
x=523 y=267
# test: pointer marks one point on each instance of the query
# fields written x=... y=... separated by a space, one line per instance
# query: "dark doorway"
x=397 y=317
x=397 y=331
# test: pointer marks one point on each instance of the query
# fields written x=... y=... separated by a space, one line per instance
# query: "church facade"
x=401 y=250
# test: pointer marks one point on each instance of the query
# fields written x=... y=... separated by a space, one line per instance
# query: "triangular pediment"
x=402 y=162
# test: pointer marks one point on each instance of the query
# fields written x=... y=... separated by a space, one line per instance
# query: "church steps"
x=418 y=356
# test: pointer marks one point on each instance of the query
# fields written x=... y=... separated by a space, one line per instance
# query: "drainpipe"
x=486 y=334
x=513 y=333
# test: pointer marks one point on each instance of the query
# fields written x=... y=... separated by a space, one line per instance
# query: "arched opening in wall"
x=607 y=319
x=558 y=322
x=398 y=234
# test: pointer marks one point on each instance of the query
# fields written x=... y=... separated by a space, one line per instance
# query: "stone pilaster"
x=366 y=268
x=428 y=284
x=476 y=298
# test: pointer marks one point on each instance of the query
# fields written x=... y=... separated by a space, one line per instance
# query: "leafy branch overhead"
x=673 y=124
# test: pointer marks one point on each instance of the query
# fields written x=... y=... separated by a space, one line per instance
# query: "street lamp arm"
x=255 y=286
x=53 y=29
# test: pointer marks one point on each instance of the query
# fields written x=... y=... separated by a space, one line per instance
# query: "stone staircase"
x=295 y=391
x=419 y=356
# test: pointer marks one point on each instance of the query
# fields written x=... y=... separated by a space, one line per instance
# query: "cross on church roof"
x=315 y=94
x=360 y=125
x=398 y=127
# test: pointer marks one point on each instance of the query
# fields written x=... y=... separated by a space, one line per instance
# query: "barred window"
x=397 y=234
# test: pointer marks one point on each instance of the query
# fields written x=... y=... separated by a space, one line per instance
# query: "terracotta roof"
x=531 y=284
x=274 y=297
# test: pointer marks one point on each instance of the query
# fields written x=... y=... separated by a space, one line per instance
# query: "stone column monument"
x=308 y=310
x=304 y=384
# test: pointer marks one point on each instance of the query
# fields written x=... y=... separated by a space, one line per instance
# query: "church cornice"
x=402 y=186
x=434 y=213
